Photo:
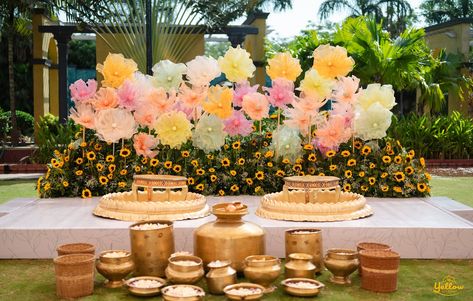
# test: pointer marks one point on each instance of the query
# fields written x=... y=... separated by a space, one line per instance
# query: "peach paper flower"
x=346 y=89
x=114 y=124
x=106 y=98
x=332 y=62
x=116 y=69
x=144 y=143
x=192 y=97
x=219 y=102
x=316 y=86
x=241 y=89
x=158 y=99
x=297 y=118
x=146 y=116
x=256 y=105
x=201 y=70
x=237 y=64
x=333 y=133
x=173 y=128
x=283 y=65
x=84 y=115
x=128 y=96
x=82 y=91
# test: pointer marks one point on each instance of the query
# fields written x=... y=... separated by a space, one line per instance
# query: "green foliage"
x=82 y=54
x=435 y=12
x=216 y=49
x=444 y=137
x=25 y=122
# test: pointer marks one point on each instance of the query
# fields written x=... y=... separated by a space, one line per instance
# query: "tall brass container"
x=306 y=240
x=229 y=237
x=151 y=248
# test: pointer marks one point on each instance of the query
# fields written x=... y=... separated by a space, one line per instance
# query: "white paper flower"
x=114 y=124
x=286 y=143
x=209 y=135
x=201 y=70
x=375 y=93
x=373 y=122
x=167 y=75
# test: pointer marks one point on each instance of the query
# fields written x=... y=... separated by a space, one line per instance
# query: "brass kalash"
x=313 y=198
x=154 y=197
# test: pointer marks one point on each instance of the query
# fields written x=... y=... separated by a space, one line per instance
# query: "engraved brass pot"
x=184 y=274
x=152 y=248
x=228 y=238
x=219 y=277
x=115 y=269
x=262 y=270
x=342 y=263
x=306 y=240
x=299 y=265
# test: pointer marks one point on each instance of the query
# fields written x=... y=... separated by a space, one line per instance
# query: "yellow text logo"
x=447 y=287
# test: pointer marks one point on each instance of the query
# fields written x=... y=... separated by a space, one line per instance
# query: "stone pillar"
x=254 y=44
x=63 y=38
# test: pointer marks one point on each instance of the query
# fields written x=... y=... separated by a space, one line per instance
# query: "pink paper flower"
x=241 y=90
x=298 y=118
x=128 y=96
x=281 y=93
x=346 y=110
x=308 y=105
x=144 y=143
x=191 y=113
x=256 y=105
x=146 y=116
x=158 y=99
x=237 y=124
x=82 y=91
x=84 y=115
x=191 y=97
x=333 y=133
x=106 y=98
x=114 y=124
x=346 y=89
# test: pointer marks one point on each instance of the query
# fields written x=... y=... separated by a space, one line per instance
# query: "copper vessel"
x=299 y=291
x=262 y=270
x=178 y=273
x=299 y=265
x=342 y=263
x=152 y=248
x=306 y=240
x=115 y=269
x=219 y=276
x=229 y=237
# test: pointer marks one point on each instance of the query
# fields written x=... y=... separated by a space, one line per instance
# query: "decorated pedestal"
x=313 y=198
x=154 y=197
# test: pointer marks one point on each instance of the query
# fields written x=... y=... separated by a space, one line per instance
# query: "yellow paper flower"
x=219 y=102
x=116 y=69
x=315 y=86
x=237 y=64
x=173 y=128
x=332 y=61
x=283 y=65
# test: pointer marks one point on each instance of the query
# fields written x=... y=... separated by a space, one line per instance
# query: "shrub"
x=24 y=121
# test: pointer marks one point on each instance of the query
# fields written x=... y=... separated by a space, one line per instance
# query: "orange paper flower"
x=116 y=69
x=283 y=65
x=219 y=102
x=106 y=98
x=332 y=62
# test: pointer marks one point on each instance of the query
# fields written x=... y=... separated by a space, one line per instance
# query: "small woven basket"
x=370 y=246
x=76 y=248
x=379 y=270
x=74 y=275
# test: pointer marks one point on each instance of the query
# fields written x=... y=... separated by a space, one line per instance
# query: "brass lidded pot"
x=151 y=248
x=306 y=240
x=115 y=269
x=342 y=263
x=178 y=272
x=299 y=265
x=229 y=237
x=219 y=276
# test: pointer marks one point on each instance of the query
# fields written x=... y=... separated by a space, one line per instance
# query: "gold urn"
x=262 y=270
x=299 y=265
x=341 y=263
x=184 y=269
x=115 y=267
x=229 y=237
x=220 y=275
x=306 y=240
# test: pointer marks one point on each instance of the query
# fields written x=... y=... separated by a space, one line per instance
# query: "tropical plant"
x=435 y=12
x=82 y=54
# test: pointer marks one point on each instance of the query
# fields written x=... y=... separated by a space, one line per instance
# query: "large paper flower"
x=286 y=143
x=144 y=144
x=373 y=122
x=346 y=89
x=256 y=105
x=83 y=115
x=116 y=69
x=146 y=116
x=219 y=101
x=316 y=86
x=236 y=64
x=82 y=91
x=281 y=93
x=283 y=65
x=173 y=128
x=128 y=96
x=241 y=89
x=299 y=119
x=375 y=93
x=237 y=124
x=106 y=98
x=159 y=100
x=333 y=133
x=208 y=134
x=201 y=70
x=332 y=61
x=114 y=124
x=192 y=97
x=344 y=109
x=167 y=75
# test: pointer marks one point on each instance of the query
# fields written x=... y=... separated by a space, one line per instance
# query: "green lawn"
x=11 y=189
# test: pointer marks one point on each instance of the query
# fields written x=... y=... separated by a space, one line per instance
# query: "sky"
x=289 y=23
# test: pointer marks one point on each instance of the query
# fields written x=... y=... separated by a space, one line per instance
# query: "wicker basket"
x=370 y=246
x=379 y=270
x=76 y=248
x=74 y=275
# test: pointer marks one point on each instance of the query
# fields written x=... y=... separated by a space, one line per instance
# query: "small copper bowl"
x=142 y=291
x=246 y=285
x=299 y=291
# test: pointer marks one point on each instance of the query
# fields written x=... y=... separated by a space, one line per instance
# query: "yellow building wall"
x=254 y=44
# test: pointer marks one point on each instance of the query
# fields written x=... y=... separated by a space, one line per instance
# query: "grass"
x=11 y=189
x=34 y=280
x=456 y=188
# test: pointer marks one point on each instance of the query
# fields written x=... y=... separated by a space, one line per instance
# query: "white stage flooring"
x=416 y=227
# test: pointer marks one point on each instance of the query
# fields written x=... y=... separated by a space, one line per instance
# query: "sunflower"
x=98 y=147
x=200 y=172
x=297 y=167
x=79 y=161
x=221 y=192
x=211 y=169
x=168 y=164
x=312 y=157
x=66 y=159
x=185 y=154
x=154 y=162
x=364 y=188
x=125 y=152
x=357 y=144
x=233 y=173
x=257 y=155
x=47 y=186
x=234 y=188
x=330 y=153
x=123 y=172
x=408 y=159
x=280 y=173
x=301 y=173
x=397 y=189
x=366 y=150
x=390 y=152
x=195 y=163
x=99 y=166
x=190 y=181
x=309 y=147
x=286 y=161
x=103 y=180
x=399 y=176
x=421 y=187
x=110 y=158
x=86 y=193
x=65 y=183
x=348 y=174
x=137 y=169
x=144 y=160
x=225 y=162
x=422 y=161
x=409 y=170
x=270 y=164
x=332 y=167
x=269 y=135
x=122 y=184
x=79 y=172
x=345 y=153
x=269 y=154
x=384 y=175
x=372 y=180
x=83 y=144
x=110 y=176
x=210 y=156
x=111 y=168
x=311 y=170
x=258 y=189
x=411 y=153
x=372 y=165
x=351 y=162
x=428 y=176
x=361 y=174
x=398 y=160
x=177 y=168
x=236 y=145
x=321 y=174
x=249 y=181
x=259 y=175
x=347 y=187
x=299 y=161
x=386 y=159
x=91 y=156
x=200 y=187
x=213 y=178
x=240 y=161
x=384 y=188
x=265 y=144
x=226 y=147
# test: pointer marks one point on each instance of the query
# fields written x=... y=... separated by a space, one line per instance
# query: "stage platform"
x=416 y=227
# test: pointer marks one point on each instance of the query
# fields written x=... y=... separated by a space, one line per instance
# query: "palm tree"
x=436 y=12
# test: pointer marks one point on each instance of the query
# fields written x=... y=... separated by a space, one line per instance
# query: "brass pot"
x=152 y=248
x=342 y=263
x=229 y=237
x=306 y=240
x=299 y=265
x=115 y=269
x=184 y=274
x=219 y=277
x=262 y=270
